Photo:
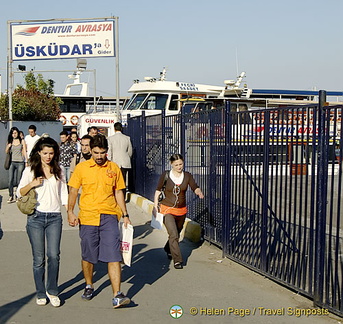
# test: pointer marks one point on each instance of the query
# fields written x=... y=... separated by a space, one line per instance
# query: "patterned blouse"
x=67 y=152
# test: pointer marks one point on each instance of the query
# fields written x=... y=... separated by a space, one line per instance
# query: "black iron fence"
x=272 y=180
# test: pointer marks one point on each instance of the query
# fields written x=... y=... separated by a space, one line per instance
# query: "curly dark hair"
x=10 y=135
x=36 y=161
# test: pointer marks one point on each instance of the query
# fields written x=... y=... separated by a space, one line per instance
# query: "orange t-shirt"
x=98 y=183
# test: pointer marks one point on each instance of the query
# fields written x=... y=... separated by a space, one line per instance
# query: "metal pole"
x=163 y=149
x=9 y=74
x=94 y=71
x=265 y=190
x=227 y=183
x=319 y=267
x=117 y=66
x=143 y=150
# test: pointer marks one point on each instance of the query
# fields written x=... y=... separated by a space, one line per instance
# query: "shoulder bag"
x=162 y=194
x=27 y=203
x=8 y=160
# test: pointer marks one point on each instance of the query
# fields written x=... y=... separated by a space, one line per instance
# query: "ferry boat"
x=155 y=95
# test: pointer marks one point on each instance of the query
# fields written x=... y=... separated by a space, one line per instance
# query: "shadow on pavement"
x=8 y=310
x=100 y=270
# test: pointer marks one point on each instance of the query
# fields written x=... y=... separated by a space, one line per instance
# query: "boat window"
x=128 y=104
x=188 y=108
x=73 y=105
x=206 y=106
x=173 y=102
x=155 y=101
x=244 y=116
x=135 y=104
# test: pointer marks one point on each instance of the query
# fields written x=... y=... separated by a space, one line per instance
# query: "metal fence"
x=272 y=181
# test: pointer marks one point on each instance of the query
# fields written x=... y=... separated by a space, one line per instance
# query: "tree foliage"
x=35 y=102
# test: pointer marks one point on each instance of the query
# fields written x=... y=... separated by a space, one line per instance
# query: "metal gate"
x=273 y=185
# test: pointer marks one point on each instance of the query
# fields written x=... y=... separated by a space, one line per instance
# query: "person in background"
x=75 y=141
x=44 y=226
x=67 y=152
x=17 y=147
x=92 y=130
x=31 y=139
x=173 y=206
x=84 y=155
x=22 y=136
x=102 y=204
x=120 y=150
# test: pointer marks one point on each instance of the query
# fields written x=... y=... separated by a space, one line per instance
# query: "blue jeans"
x=43 y=227
x=15 y=172
x=67 y=170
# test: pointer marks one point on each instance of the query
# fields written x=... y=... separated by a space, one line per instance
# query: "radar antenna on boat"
x=163 y=74
x=234 y=84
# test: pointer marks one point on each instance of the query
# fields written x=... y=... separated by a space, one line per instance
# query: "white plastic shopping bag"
x=157 y=222
x=126 y=241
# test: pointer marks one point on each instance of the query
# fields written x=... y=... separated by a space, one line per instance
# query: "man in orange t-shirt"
x=102 y=204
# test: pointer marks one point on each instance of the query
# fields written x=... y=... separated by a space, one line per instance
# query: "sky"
x=292 y=44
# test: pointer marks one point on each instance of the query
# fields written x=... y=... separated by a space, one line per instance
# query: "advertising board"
x=60 y=40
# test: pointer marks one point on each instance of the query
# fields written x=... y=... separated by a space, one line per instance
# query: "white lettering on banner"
x=99 y=121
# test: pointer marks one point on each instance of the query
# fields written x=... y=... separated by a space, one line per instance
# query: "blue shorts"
x=101 y=243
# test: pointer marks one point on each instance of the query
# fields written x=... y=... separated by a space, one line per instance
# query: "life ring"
x=63 y=120
x=74 y=119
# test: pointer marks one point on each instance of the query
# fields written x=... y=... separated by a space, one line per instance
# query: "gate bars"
x=272 y=180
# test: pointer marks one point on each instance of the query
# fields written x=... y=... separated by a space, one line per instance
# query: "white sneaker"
x=10 y=200
x=54 y=300
x=41 y=301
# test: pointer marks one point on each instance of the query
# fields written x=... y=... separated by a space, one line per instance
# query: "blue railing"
x=272 y=181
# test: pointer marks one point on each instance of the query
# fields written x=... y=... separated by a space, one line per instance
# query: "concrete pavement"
x=209 y=288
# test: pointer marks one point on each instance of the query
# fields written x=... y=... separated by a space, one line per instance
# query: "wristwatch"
x=127 y=215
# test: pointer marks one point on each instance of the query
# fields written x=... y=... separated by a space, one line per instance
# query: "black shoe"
x=88 y=293
x=178 y=265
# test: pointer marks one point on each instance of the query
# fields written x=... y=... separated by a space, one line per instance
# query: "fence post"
x=163 y=141
x=144 y=155
x=226 y=204
x=182 y=134
x=212 y=151
x=265 y=195
x=319 y=264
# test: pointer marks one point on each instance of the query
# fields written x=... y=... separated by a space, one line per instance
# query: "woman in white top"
x=17 y=147
x=45 y=225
